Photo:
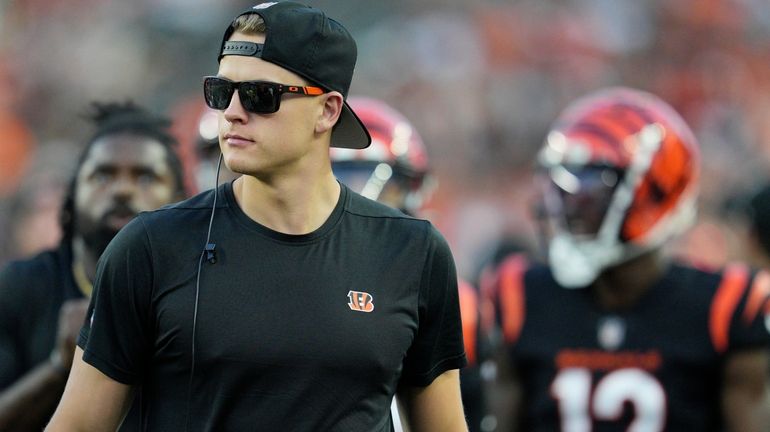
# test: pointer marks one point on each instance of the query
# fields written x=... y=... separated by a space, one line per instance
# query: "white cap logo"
x=264 y=5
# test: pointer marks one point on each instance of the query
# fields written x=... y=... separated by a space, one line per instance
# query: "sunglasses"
x=259 y=97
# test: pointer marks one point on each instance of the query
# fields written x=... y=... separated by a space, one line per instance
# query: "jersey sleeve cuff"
x=425 y=379
x=82 y=339
x=108 y=369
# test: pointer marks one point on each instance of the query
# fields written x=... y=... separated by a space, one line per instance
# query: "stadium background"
x=481 y=80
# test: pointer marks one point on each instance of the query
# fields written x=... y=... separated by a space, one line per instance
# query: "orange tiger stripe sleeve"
x=726 y=299
x=758 y=295
x=469 y=312
x=511 y=297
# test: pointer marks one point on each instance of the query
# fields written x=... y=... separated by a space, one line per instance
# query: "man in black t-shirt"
x=127 y=167
x=612 y=335
x=282 y=300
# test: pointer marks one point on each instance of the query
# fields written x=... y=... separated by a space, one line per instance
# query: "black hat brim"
x=350 y=132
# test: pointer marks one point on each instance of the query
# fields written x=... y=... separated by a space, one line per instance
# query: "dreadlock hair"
x=113 y=118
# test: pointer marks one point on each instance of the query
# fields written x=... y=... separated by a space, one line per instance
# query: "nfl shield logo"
x=611 y=332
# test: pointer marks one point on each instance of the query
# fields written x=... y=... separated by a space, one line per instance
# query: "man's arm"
x=30 y=401
x=92 y=401
x=436 y=407
x=745 y=392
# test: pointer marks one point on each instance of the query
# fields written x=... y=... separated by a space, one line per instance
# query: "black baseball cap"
x=304 y=40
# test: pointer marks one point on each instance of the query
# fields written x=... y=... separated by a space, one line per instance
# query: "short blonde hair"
x=250 y=23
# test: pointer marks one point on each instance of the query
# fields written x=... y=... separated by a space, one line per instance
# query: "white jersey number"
x=572 y=389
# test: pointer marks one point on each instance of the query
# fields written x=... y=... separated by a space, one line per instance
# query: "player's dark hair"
x=113 y=118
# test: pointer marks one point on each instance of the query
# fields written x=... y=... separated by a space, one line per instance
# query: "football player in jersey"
x=394 y=170
x=128 y=165
x=612 y=335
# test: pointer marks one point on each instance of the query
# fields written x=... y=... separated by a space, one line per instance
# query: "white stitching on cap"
x=264 y=5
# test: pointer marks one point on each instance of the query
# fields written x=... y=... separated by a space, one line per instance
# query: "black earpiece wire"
x=208 y=254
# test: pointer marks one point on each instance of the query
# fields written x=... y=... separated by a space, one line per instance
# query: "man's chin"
x=239 y=165
x=97 y=241
x=116 y=223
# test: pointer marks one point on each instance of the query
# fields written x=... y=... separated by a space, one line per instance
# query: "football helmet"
x=618 y=174
x=394 y=168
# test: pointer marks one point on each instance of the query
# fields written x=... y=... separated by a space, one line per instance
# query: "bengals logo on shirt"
x=360 y=301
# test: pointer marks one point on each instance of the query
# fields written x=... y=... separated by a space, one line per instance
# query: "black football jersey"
x=652 y=367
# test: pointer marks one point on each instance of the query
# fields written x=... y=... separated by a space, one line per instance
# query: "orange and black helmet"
x=396 y=156
x=621 y=169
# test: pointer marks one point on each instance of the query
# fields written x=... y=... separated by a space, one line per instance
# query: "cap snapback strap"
x=242 y=48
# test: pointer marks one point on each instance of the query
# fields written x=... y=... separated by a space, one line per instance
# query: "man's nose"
x=123 y=187
x=235 y=111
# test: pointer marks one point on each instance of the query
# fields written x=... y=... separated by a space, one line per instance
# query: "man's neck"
x=290 y=205
x=622 y=286
x=83 y=261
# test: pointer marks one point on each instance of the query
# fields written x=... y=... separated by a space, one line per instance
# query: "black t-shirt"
x=31 y=293
x=293 y=332
x=656 y=365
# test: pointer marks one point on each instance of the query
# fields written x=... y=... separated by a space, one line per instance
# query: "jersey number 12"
x=580 y=401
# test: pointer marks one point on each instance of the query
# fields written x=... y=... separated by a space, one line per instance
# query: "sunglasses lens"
x=259 y=97
x=217 y=93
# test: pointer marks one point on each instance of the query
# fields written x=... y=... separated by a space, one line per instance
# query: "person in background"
x=613 y=334
x=128 y=165
x=498 y=394
x=394 y=170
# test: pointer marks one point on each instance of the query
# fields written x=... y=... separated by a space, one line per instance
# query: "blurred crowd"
x=480 y=80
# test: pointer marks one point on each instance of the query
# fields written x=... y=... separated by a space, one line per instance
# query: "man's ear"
x=332 y=109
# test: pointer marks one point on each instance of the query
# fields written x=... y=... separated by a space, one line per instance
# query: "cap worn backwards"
x=302 y=39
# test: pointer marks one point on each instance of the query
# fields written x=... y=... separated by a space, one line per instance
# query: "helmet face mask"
x=582 y=211
x=618 y=178
x=368 y=178
x=584 y=195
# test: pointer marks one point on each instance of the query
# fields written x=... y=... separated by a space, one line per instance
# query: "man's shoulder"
x=366 y=209
x=361 y=206
x=699 y=281
x=201 y=201
x=44 y=264
x=170 y=215
x=40 y=272
x=366 y=212
x=171 y=228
